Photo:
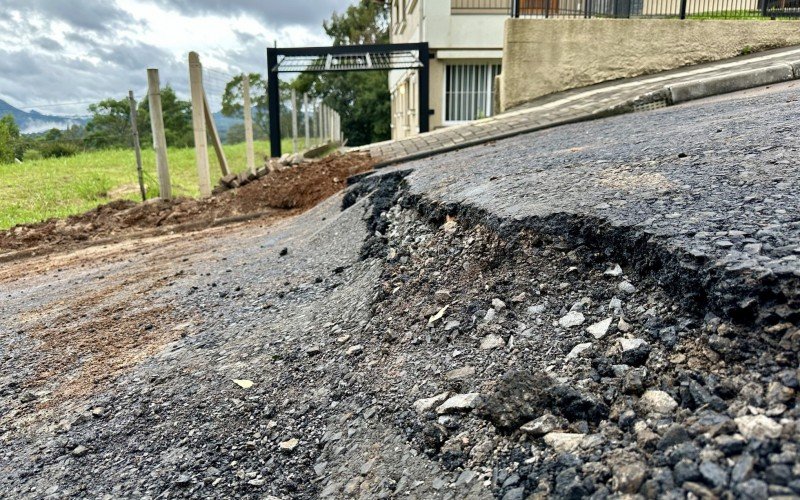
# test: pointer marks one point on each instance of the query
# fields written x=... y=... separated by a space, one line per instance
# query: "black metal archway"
x=379 y=57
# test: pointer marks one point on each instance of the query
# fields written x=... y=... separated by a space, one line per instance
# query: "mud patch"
x=70 y=351
x=281 y=192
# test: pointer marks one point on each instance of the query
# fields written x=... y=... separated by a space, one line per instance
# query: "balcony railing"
x=657 y=9
x=480 y=6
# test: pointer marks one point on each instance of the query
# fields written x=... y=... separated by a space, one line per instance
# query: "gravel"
x=368 y=381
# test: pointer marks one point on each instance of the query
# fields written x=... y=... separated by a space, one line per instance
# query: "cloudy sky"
x=72 y=51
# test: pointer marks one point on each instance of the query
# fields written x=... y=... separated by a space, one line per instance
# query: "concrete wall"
x=542 y=56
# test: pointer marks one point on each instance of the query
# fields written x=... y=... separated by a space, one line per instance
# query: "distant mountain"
x=30 y=122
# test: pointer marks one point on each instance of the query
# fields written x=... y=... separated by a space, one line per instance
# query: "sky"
x=58 y=55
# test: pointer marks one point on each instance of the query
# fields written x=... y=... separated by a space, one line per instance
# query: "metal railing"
x=656 y=9
x=480 y=6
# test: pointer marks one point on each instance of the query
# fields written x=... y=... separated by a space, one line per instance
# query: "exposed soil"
x=287 y=190
x=441 y=359
x=433 y=339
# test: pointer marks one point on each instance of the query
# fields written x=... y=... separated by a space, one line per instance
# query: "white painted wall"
x=452 y=36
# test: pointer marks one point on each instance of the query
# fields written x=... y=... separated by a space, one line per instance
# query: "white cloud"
x=65 y=52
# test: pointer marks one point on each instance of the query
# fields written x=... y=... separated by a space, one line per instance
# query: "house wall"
x=454 y=34
x=543 y=56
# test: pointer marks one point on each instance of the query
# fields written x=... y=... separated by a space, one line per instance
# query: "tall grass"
x=57 y=187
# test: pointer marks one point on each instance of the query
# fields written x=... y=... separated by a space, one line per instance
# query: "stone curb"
x=672 y=94
x=697 y=89
x=483 y=140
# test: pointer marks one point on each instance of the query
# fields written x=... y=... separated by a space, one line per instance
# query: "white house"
x=466 y=42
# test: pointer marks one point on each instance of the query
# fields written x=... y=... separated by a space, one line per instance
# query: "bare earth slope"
x=282 y=192
x=519 y=320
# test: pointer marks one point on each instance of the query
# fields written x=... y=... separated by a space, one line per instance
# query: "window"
x=469 y=91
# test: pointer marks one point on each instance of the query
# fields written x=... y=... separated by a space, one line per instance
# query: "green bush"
x=9 y=139
x=59 y=150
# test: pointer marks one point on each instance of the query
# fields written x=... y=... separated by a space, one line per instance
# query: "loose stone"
x=460 y=373
x=758 y=427
x=427 y=404
x=289 y=444
x=459 y=403
x=598 y=330
x=577 y=350
x=655 y=401
x=492 y=341
x=543 y=425
x=572 y=319
x=563 y=442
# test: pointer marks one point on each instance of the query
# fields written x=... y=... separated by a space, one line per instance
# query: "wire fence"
x=655 y=9
x=224 y=108
x=313 y=123
x=306 y=122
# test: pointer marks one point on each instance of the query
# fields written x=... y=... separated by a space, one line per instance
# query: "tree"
x=10 y=143
x=232 y=100
x=110 y=125
x=361 y=98
x=364 y=23
x=232 y=103
x=177 y=120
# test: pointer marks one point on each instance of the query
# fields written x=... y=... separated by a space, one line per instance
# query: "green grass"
x=57 y=187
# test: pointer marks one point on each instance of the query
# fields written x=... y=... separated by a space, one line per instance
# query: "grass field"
x=56 y=187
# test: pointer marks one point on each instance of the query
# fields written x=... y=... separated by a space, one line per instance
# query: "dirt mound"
x=289 y=189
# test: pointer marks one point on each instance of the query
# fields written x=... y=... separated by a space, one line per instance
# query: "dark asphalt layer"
x=705 y=195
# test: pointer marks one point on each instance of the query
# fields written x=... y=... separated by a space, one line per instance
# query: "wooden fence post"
x=159 y=137
x=137 y=148
x=199 y=124
x=305 y=120
x=294 y=121
x=248 y=125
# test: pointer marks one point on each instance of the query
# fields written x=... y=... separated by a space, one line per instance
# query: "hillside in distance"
x=31 y=122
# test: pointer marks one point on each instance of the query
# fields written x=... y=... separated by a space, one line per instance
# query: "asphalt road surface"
x=603 y=308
